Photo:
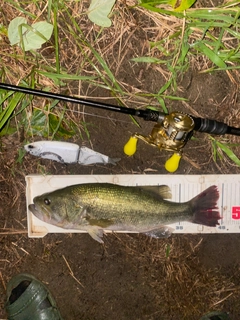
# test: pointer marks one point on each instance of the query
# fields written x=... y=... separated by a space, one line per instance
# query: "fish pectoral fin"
x=164 y=192
x=96 y=234
x=160 y=232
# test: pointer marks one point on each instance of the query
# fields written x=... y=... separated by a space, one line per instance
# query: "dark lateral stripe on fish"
x=103 y=223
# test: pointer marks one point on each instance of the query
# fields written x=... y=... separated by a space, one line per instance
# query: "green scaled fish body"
x=95 y=207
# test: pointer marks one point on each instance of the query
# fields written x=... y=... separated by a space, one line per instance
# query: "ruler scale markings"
x=222 y=205
x=183 y=188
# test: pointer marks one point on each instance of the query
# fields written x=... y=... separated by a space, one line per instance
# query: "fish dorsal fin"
x=163 y=192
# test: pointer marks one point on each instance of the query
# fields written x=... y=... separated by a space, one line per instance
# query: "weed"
x=76 y=58
x=209 y=32
x=220 y=148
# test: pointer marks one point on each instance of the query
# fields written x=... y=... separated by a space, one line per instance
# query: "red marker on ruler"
x=236 y=212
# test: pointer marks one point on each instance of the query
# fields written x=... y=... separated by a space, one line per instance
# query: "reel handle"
x=131 y=146
x=172 y=164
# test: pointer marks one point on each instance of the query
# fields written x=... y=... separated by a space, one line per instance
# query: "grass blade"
x=228 y=152
x=210 y=54
x=5 y=115
x=64 y=76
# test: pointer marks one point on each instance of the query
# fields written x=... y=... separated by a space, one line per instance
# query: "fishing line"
x=171 y=131
x=94 y=115
x=199 y=124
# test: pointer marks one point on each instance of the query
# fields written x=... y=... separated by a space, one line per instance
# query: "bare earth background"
x=131 y=276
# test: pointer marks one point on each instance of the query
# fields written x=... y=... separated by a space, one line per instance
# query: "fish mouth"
x=37 y=212
x=33 y=209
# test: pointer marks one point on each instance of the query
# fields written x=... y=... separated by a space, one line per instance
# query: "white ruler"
x=183 y=187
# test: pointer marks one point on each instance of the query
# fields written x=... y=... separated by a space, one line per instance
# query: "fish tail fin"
x=205 y=210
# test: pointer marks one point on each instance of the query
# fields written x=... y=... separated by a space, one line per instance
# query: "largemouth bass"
x=96 y=207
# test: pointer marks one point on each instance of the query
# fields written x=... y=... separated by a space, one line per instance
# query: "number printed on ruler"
x=236 y=212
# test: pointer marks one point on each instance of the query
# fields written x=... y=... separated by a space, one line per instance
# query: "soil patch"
x=131 y=276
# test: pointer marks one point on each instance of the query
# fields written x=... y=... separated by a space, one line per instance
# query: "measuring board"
x=183 y=187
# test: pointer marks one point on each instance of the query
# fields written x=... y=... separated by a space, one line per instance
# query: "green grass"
x=55 y=74
x=212 y=34
x=223 y=148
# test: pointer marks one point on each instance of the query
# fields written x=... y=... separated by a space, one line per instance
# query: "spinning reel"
x=171 y=131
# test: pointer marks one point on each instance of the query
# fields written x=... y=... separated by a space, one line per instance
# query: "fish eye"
x=47 y=201
x=30 y=146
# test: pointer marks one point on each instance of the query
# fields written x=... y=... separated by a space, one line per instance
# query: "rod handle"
x=210 y=126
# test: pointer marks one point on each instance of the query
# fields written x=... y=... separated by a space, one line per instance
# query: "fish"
x=98 y=207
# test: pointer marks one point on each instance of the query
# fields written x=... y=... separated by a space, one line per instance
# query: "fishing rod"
x=171 y=132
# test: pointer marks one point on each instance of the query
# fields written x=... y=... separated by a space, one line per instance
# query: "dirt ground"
x=130 y=276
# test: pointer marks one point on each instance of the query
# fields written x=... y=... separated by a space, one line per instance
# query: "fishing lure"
x=171 y=131
x=66 y=152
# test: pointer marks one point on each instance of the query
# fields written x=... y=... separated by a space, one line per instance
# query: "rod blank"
x=146 y=114
x=201 y=125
